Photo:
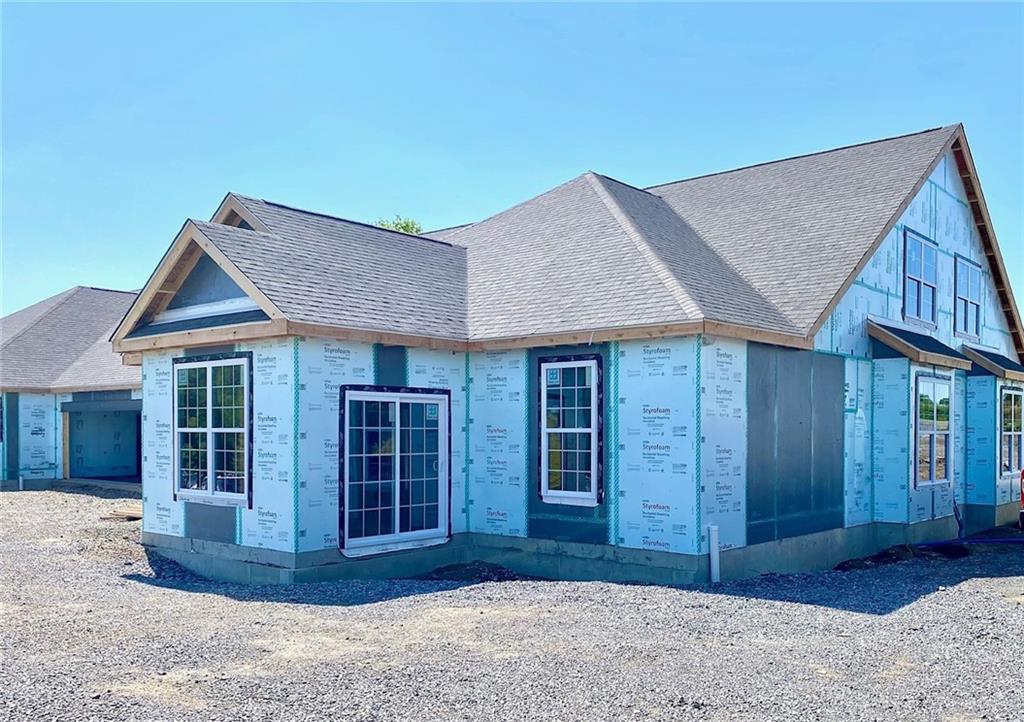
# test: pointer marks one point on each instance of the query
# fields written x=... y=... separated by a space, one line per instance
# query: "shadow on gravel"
x=880 y=584
x=350 y=592
x=100 y=492
x=887 y=581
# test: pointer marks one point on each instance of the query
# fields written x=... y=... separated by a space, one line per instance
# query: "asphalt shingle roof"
x=768 y=247
x=63 y=342
x=796 y=228
x=321 y=269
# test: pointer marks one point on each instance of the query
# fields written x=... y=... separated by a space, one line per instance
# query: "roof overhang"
x=179 y=260
x=132 y=348
x=957 y=143
x=918 y=347
x=994 y=363
x=69 y=389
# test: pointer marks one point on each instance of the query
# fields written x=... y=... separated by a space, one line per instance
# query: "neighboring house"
x=70 y=408
x=812 y=359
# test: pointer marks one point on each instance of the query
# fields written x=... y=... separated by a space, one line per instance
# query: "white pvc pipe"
x=716 y=568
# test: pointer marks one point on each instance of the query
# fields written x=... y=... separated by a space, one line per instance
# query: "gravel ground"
x=93 y=629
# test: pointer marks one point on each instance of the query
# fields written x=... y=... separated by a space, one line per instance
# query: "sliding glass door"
x=395 y=468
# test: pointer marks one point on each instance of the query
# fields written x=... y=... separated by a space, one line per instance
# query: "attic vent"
x=233 y=219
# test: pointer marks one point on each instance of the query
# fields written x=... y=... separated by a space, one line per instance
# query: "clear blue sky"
x=120 y=121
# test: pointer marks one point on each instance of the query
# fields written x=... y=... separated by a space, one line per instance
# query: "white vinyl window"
x=395 y=469
x=569 y=432
x=921 y=262
x=968 y=298
x=211 y=429
x=932 y=430
x=1011 y=447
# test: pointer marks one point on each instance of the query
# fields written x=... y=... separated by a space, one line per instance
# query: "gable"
x=206 y=284
x=196 y=286
x=939 y=212
x=206 y=297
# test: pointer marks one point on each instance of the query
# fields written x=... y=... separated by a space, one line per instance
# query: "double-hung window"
x=967 y=314
x=1011 y=443
x=932 y=430
x=569 y=433
x=211 y=429
x=921 y=262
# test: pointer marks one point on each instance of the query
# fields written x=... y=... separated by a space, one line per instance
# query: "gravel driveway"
x=92 y=629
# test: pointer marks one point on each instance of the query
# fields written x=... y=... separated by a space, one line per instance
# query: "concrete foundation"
x=979 y=517
x=544 y=558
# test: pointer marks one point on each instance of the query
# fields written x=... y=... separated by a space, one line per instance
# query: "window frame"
x=210 y=495
x=959 y=296
x=398 y=539
x=933 y=433
x=924 y=241
x=594 y=496
x=1004 y=393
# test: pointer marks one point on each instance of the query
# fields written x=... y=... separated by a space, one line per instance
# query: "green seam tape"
x=295 y=443
x=946 y=193
x=699 y=444
x=876 y=289
x=613 y=447
x=465 y=452
x=526 y=452
x=238 y=525
x=872 y=444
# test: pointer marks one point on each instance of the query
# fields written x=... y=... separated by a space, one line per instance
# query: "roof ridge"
x=347 y=220
x=70 y=293
x=683 y=297
x=627 y=185
x=455 y=228
x=524 y=202
x=800 y=155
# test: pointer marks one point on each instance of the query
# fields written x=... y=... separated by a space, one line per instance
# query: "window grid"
x=396 y=461
x=932 y=447
x=569 y=398
x=921 y=264
x=211 y=413
x=419 y=505
x=1011 y=447
x=967 y=314
x=371 y=472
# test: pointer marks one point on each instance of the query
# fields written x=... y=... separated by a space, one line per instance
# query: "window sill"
x=930 y=484
x=569 y=500
x=218 y=500
x=967 y=337
x=930 y=325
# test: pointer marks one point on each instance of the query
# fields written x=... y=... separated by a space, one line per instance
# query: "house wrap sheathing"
x=587 y=384
x=68 y=406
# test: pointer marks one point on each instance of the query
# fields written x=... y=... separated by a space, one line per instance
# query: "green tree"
x=400 y=223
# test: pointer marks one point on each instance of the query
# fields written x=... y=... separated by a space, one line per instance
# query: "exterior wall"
x=858 y=464
x=322 y=367
x=1007 y=485
x=40 y=436
x=272 y=520
x=653 y=487
x=939 y=212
